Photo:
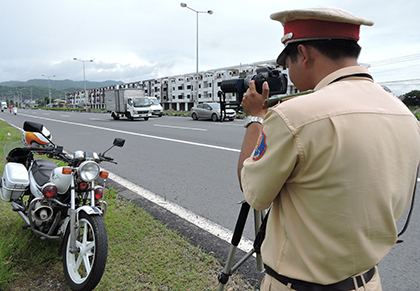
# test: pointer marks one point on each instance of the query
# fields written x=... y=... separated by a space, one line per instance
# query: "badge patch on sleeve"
x=260 y=147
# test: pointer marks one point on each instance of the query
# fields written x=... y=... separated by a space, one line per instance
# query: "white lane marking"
x=219 y=231
x=180 y=127
x=139 y=134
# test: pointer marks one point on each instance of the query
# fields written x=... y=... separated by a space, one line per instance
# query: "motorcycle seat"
x=41 y=170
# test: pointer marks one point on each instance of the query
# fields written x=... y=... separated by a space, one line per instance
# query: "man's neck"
x=325 y=67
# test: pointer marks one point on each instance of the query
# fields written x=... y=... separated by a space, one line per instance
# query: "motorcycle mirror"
x=119 y=142
x=32 y=126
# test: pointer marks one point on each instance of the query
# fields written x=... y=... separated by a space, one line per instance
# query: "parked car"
x=211 y=111
x=155 y=106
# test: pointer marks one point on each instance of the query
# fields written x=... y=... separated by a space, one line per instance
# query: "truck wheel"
x=129 y=117
x=146 y=118
x=115 y=116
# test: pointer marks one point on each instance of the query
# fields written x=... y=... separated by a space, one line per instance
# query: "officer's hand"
x=253 y=102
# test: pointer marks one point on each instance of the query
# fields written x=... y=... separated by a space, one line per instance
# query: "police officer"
x=338 y=165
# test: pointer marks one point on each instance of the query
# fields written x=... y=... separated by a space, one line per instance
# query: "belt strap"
x=299 y=285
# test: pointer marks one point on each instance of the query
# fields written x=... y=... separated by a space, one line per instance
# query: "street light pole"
x=184 y=5
x=84 y=78
x=49 y=87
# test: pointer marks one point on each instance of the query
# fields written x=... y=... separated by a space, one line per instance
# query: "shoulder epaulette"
x=278 y=99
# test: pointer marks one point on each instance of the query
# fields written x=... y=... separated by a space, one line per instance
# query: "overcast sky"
x=134 y=40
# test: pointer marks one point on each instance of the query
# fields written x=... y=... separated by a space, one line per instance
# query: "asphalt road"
x=193 y=164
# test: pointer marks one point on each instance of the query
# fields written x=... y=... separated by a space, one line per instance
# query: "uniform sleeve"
x=271 y=164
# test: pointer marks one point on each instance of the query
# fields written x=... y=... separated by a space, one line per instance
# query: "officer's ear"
x=305 y=55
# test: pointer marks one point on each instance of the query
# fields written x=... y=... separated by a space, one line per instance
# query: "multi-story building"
x=178 y=92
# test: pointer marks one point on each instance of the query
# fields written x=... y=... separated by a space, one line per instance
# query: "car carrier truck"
x=130 y=103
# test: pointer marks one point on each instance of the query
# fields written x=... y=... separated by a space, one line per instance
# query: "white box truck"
x=3 y=106
x=130 y=103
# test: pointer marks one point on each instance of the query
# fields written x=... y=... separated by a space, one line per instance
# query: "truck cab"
x=138 y=107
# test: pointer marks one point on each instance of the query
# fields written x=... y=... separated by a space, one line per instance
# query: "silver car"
x=211 y=111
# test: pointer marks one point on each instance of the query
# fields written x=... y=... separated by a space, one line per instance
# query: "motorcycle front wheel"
x=84 y=269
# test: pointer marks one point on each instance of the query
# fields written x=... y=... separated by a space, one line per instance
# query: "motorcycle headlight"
x=88 y=171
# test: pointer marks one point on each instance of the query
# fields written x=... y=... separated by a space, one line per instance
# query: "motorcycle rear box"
x=14 y=182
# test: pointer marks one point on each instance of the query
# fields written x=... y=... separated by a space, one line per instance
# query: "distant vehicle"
x=155 y=106
x=211 y=111
x=130 y=103
x=3 y=106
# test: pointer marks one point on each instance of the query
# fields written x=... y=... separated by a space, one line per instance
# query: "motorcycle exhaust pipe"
x=42 y=213
x=20 y=210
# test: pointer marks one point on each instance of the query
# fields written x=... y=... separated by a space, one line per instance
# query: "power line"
x=395 y=69
x=395 y=60
x=400 y=81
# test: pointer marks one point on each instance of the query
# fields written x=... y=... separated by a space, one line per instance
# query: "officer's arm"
x=252 y=104
x=252 y=134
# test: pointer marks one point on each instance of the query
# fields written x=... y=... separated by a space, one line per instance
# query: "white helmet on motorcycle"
x=37 y=139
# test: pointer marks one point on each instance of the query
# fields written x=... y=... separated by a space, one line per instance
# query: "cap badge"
x=286 y=37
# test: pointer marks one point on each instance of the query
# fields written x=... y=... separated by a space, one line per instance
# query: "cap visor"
x=281 y=59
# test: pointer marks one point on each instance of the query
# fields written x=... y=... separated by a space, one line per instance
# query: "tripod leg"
x=237 y=234
x=258 y=218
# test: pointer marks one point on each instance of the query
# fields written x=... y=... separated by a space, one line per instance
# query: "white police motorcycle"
x=61 y=202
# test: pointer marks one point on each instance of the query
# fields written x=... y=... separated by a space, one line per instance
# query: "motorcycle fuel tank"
x=60 y=180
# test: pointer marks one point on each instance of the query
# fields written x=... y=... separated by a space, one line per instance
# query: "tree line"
x=412 y=99
x=40 y=95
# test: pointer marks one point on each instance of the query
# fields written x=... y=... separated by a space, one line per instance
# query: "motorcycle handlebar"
x=38 y=149
x=107 y=159
x=58 y=152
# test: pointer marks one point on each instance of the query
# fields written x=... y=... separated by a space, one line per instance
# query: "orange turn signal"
x=104 y=174
x=66 y=170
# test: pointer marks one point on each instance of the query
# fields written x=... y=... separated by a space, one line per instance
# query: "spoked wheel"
x=84 y=269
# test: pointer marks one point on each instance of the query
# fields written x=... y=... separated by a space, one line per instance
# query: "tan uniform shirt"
x=339 y=167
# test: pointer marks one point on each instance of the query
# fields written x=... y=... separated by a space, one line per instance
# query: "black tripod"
x=237 y=234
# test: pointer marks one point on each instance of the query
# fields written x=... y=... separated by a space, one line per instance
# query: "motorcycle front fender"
x=89 y=210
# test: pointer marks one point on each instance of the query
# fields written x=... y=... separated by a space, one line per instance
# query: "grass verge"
x=143 y=254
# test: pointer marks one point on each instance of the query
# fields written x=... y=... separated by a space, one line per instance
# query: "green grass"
x=143 y=254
